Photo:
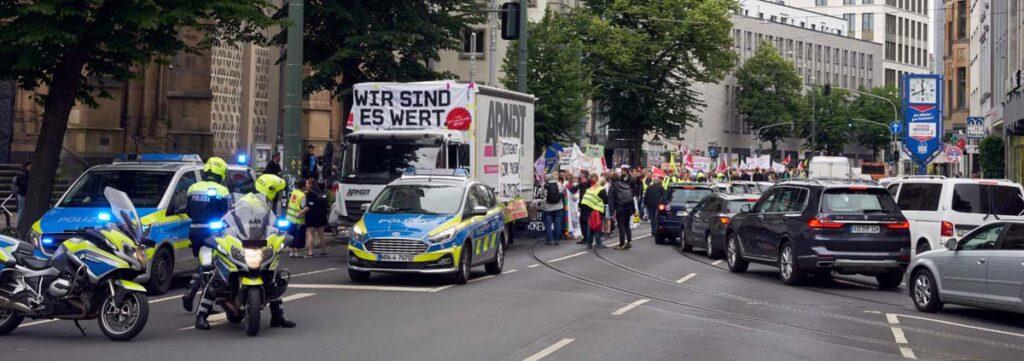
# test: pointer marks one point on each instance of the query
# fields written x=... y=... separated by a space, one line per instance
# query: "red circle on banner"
x=960 y=143
x=351 y=120
x=458 y=119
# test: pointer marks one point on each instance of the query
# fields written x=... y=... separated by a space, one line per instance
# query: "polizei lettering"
x=505 y=120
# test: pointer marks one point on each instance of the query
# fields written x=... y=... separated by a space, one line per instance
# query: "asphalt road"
x=559 y=303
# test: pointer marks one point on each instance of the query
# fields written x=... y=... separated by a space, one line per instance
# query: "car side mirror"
x=745 y=208
x=364 y=207
x=951 y=244
x=478 y=211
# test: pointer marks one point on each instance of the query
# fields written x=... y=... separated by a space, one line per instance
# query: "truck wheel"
x=161 y=272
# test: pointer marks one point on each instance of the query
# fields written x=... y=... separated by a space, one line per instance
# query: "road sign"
x=896 y=127
x=975 y=127
x=953 y=153
x=713 y=151
x=972 y=149
x=922 y=98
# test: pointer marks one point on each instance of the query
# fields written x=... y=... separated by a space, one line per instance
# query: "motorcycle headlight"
x=34 y=237
x=140 y=255
x=253 y=257
x=444 y=236
x=236 y=255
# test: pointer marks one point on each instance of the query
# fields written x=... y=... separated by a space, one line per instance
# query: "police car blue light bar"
x=242 y=159
x=438 y=172
x=159 y=157
x=104 y=216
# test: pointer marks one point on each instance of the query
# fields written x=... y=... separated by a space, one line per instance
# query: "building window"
x=961 y=19
x=867 y=2
x=849 y=2
x=467 y=39
x=890 y=50
x=820 y=2
x=890 y=77
x=961 y=87
x=851 y=23
x=867 y=21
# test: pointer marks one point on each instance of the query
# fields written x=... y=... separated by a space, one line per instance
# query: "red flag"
x=722 y=167
x=786 y=161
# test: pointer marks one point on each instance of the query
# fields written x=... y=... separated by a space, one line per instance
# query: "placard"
x=409 y=106
x=508 y=169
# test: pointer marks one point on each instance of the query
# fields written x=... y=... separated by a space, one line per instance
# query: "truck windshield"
x=144 y=188
x=378 y=163
x=418 y=199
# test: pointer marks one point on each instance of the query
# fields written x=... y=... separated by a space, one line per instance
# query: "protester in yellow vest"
x=296 y=214
x=594 y=199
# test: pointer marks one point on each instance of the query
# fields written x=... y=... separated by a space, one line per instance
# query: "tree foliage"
x=557 y=77
x=828 y=121
x=71 y=48
x=871 y=135
x=770 y=94
x=993 y=164
x=646 y=55
x=354 y=41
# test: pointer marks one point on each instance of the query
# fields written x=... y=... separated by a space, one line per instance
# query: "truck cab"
x=157 y=185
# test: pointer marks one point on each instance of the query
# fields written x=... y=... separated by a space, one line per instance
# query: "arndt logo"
x=357 y=192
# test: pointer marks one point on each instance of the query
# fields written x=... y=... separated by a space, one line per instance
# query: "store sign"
x=922 y=113
x=975 y=127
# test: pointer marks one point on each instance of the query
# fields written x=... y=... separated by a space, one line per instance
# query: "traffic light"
x=510 y=13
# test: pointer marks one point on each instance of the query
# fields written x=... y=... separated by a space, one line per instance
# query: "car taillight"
x=898 y=225
x=947 y=229
x=724 y=220
x=662 y=207
x=823 y=223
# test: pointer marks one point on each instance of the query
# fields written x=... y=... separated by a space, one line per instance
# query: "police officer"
x=207 y=201
x=267 y=185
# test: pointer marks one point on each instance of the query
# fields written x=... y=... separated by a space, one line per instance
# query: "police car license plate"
x=681 y=213
x=390 y=257
x=859 y=228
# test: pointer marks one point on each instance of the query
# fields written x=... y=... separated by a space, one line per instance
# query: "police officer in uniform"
x=208 y=201
x=268 y=185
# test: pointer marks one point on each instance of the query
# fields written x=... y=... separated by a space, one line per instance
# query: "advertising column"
x=922 y=113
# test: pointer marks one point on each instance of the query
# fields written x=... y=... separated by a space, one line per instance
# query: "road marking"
x=686 y=278
x=962 y=325
x=222 y=318
x=481 y=278
x=899 y=337
x=158 y=300
x=40 y=322
x=630 y=306
x=568 y=257
x=533 y=266
x=549 y=350
x=367 y=288
x=716 y=263
x=510 y=271
x=314 y=272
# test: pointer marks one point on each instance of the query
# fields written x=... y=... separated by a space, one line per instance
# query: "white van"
x=829 y=167
x=941 y=208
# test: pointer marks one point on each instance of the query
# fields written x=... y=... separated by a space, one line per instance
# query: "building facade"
x=1011 y=54
x=956 y=65
x=903 y=27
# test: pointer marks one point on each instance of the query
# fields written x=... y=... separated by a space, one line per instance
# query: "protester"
x=579 y=189
x=652 y=198
x=274 y=165
x=622 y=207
x=316 y=219
x=552 y=196
x=21 y=188
x=309 y=164
x=296 y=215
x=594 y=199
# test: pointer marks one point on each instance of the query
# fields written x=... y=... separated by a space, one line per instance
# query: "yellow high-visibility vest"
x=295 y=206
x=592 y=199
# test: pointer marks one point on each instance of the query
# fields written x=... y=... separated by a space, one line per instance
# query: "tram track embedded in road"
x=739 y=316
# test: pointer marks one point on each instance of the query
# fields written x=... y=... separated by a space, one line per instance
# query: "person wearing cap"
x=208 y=201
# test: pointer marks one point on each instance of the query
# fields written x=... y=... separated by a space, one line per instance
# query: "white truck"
x=830 y=167
x=435 y=125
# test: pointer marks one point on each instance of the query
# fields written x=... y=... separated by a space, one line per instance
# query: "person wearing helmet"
x=208 y=201
x=267 y=188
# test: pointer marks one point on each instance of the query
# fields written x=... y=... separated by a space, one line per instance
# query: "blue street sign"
x=922 y=112
x=975 y=127
x=896 y=127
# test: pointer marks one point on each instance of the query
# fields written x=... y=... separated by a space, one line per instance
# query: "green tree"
x=828 y=122
x=67 y=49
x=875 y=136
x=558 y=77
x=770 y=94
x=993 y=163
x=355 y=41
x=645 y=56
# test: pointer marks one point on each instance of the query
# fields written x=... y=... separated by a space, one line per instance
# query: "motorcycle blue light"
x=48 y=242
x=283 y=224
x=104 y=216
x=216 y=225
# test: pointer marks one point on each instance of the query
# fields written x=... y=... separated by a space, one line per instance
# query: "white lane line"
x=314 y=272
x=630 y=306
x=366 y=288
x=510 y=271
x=716 y=263
x=686 y=278
x=568 y=257
x=549 y=350
x=158 y=300
x=961 y=325
x=222 y=318
x=478 y=279
x=899 y=337
x=535 y=265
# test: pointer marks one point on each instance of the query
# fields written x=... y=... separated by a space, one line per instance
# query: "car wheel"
x=734 y=255
x=160 y=272
x=890 y=280
x=925 y=292
x=494 y=267
x=709 y=248
x=659 y=239
x=462 y=273
x=358 y=276
x=923 y=247
x=789 y=271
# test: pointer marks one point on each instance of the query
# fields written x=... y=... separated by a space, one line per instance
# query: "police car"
x=157 y=185
x=440 y=223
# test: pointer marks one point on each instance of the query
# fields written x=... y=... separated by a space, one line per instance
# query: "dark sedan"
x=705 y=226
x=679 y=199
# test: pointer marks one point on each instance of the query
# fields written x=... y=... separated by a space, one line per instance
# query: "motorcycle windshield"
x=123 y=212
x=250 y=221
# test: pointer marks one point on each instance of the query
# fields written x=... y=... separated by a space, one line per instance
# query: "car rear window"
x=920 y=196
x=685 y=195
x=851 y=200
x=987 y=199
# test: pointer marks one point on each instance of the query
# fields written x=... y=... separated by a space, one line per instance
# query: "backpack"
x=623 y=194
x=595 y=221
x=552 y=194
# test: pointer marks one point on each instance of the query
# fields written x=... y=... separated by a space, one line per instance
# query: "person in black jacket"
x=620 y=198
x=21 y=188
x=274 y=165
x=652 y=199
x=578 y=189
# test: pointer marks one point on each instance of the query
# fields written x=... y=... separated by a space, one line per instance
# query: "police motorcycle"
x=244 y=256
x=88 y=277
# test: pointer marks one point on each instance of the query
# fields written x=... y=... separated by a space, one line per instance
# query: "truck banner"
x=508 y=177
x=396 y=106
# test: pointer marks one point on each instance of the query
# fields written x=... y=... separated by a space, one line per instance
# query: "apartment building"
x=1010 y=54
x=957 y=63
x=903 y=27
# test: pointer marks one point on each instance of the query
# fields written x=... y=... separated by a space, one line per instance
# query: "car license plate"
x=390 y=257
x=681 y=213
x=860 y=228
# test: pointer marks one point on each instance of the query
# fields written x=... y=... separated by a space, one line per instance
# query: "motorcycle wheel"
x=9 y=321
x=125 y=321
x=253 y=303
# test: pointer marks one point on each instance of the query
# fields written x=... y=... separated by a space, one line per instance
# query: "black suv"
x=679 y=199
x=815 y=227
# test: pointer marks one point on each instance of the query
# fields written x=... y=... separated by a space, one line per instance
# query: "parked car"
x=678 y=200
x=816 y=227
x=981 y=269
x=738 y=187
x=941 y=208
x=705 y=226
